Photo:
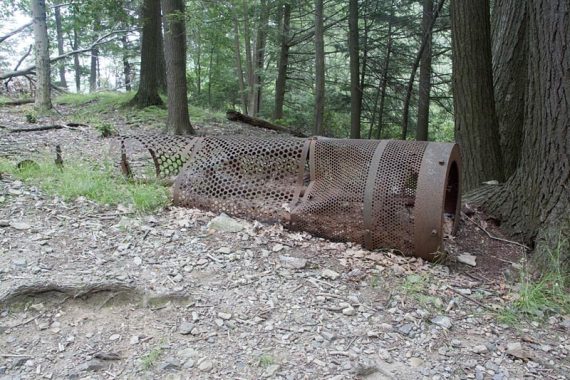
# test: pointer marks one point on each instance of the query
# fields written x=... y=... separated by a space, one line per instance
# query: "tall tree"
x=260 y=42
x=319 y=69
x=425 y=74
x=239 y=66
x=476 y=124
x=59 y=37
x=283 y=62
x=510 y=47
x=175 y=52
x=355 y=89
x=41 y=50
x=147 y=94
x=536 y=197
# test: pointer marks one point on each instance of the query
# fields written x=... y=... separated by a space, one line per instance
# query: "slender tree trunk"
x=249 y=60
x=536 y=198
x=283 y=63
x=175 y=44
x=425 y=74
x=410 y=88
x=239 y=69
x=319 y=69
x=510 y=46
x=364 y=56
x=261 y=40
x=147 y=94
x=210 y=76
x=126 y=64
x=384 y=83
x=198 y=68
x=59 y=36
x=161 y=71
x=41 y=50
x=353 y=51
x=76 y=63
x=93 y=70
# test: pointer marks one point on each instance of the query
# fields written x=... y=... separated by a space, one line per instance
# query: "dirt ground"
x=89 y=291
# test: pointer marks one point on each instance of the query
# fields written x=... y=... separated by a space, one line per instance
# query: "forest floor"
x=89 y=290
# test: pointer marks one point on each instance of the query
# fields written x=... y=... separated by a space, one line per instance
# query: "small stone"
x=225 y=250
x=329 y=274
x=19 y=262
x=4 y=223
x=225 y=316
x=219 y=322
x=416 y=362
x=442 y=321
x=515 y=349
x=292 y=262
x=170 y=363
x=278 y=247
x=565 y=324
x=479 y=349
x=406 y=329
x=115 y=337
x=20 y=226
x=349 y=311
x=271 y=370
x=137 y=260
x=91 y=365
x=456 y=343
x=134 y=340
x=185 y=328
x=225 y=224
x=468 y=259
x=205 y=365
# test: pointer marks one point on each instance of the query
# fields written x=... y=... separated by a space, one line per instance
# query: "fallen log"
x=35 y=129
x=257 y=122
x=18 y=102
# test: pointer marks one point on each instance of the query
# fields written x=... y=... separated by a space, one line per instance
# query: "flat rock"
x=515 y=349
x=468 y=259
x=225 y=223
x=292 y=262
x=271 y=370
x=205 y=365
x=329 y=274
x=225 y=316
x=442 y=321
x=185 y=328
x=479 y=349
x=20 y=226
x=406 y=329
x=91 y=365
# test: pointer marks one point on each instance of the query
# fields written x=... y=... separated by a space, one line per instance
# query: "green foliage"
x=266 y=360
x=538 y=295
x=106 y=129
x=32 y=117
x=98 y=183
x=150 y=359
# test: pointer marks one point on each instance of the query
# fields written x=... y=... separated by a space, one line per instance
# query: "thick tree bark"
x=239 y=68
x=175 y=44
x=353 y=52
x=537 y=197
x=93 y=69
x=384 y=82
x=476 y=125
x=510 y=46
x=319 y=69
x=161 y=70
x=283 y=63
x=59 y=35
x=147 y=94
x=425 y=74
x=41 y=49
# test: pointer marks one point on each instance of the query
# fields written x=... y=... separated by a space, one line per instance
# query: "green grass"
x=100 y=183
x=150 y=359
x=265 y=360
x=538 y=296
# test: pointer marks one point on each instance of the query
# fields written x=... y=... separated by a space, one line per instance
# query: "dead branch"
x=14 y=32
x=100 y=41
x=257 y=122
x=17 y=102
x=492 y=236
x=35 y=129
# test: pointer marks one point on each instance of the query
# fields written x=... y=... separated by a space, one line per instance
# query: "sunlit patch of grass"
x=150 y=359
x=99 y=183
x=266 y=360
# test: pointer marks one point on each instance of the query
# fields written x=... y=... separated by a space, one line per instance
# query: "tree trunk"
x=161 y=70
x=425 y=74
x=536 y=197
x=260 y=42
x=93 y=70
x=198 y=61
x=353 y=52
x=319 y=69
x=249 y=60
x=476 y=125
x=59 y=35
x=43 y=91
x=239 y=68
x=147 y=94
x=210 y=76
x=76 y=63
x=283 y=63
x=384 y=82
x=175 y=44
x=126 y=63
x=510 y=45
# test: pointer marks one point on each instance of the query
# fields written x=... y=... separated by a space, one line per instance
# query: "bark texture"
x=510 y=45
x=175 y=52
x=319 y=69
x=476 y=125
x=239 y=66
x=537 y=196
x=41 y=49
x=353 y=52
x=147 y=94
x=59 y=36
x=425 y=74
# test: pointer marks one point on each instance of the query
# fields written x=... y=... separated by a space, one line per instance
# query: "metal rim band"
x=369 y=193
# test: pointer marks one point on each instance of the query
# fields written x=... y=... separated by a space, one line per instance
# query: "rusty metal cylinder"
x=402 y=195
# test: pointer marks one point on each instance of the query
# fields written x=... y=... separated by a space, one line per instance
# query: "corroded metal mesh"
x=380 y=193
x=246 y=177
